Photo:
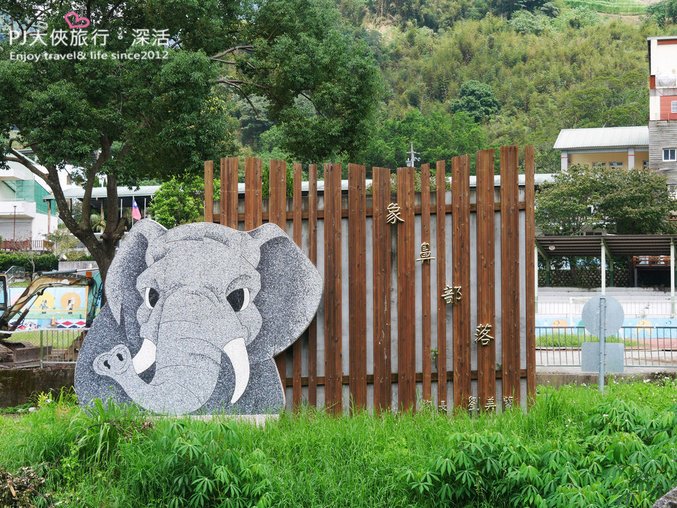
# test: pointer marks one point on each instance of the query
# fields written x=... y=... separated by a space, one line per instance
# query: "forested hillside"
x=459 y=75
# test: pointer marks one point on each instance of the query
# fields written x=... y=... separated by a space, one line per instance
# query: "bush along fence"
x=428 y=296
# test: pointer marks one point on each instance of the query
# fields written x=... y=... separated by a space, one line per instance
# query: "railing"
x=571 y=308
x=49 y=345
x=26 y=245
x=645 y=346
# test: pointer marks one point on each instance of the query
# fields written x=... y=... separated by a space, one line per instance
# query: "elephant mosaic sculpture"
x=193 y=318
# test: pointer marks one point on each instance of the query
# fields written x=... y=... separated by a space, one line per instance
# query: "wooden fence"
x=415 y=307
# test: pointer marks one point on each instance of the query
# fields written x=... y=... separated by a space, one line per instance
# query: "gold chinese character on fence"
x=482 y=334
x=425 y=254
x=452 y=294
x=394 y=211
x=490 y=405
x=472 y=404
x=507 y=402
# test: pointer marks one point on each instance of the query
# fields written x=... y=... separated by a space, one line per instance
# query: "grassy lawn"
x=574 y=340
x=622 y=7
x=575 y=448
x=58 y=339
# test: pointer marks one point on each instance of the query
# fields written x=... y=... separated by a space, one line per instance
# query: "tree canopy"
x=132 y=107
x=620 y=201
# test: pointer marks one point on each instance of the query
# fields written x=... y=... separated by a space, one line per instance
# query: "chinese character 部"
x=452 y=294
x=394 y=216
x=482 y=334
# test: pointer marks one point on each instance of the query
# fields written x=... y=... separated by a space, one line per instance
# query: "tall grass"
x=574 y=447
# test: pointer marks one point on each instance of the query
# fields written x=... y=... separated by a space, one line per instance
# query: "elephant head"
x=194 y=316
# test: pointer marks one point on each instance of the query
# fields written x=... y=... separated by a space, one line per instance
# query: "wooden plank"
x=530 y=272
x=460 y=194
x=425 y=284
x=381 y=250
x=232 y=193
x=312 y=255
x=357 y=231
x=209 y=191
x=510 y=275
x=297 y=348
x=440 y=253
x=332 y=292
x=486 y=279
x=223 y=192
x=277 y=208
x=253 y=205
x=406 y=292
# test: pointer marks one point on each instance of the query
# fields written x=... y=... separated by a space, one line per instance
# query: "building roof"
x=602 y=137
x=617 y=245
x=101 y=192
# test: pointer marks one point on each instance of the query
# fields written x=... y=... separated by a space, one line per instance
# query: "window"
x=673 y=107
x=615 y=164
x=669 y=154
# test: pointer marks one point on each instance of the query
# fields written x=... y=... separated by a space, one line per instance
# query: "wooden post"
x=209 y=191
x=441 y=283
x=425 y=282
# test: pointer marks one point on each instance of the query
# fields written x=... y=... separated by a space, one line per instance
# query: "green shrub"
x=43 y=262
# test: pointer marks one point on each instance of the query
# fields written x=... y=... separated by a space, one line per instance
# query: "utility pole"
x=411 y=161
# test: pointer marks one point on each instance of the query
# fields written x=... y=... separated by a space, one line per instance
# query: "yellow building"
x=620 y=147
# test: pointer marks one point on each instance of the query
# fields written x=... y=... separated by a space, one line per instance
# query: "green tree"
x=436 y=136
x=136 y=118
x=664 y=12
x=617 y=200
x=477 y=99
x=178 y=201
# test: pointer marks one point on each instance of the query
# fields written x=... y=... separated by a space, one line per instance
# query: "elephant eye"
x=151 y=297
x=239 y=299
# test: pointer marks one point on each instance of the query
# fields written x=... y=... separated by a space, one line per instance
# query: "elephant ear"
x=291 y=289
x=130 y=260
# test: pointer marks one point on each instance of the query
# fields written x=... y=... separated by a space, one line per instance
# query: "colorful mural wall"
x=56 y=308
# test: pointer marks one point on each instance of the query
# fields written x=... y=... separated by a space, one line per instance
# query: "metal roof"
x=617 y=245
x=603 y=137
x=102 y=193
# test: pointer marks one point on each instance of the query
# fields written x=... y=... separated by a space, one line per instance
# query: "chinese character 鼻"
x=425 y=254
x=490 y=404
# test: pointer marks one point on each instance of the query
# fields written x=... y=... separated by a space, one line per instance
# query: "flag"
x=136 y=214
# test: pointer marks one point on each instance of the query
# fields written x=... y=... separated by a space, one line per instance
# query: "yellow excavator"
x=13 y=314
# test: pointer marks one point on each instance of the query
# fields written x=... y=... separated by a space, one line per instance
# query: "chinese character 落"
x=452 y=294
x=482 y=334
x=394 y=214
x=425 y=254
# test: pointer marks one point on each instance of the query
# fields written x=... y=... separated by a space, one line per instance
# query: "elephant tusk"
x=145 y=357
x=236 y=351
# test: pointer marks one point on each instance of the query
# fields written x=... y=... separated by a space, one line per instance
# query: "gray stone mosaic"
x=194 y=317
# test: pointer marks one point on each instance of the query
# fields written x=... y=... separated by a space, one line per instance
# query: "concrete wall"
x=18 y=386
x=663 y=134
